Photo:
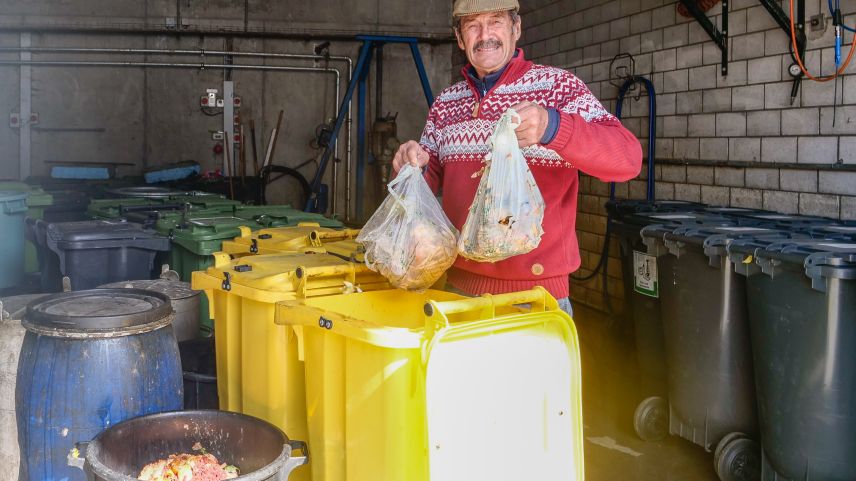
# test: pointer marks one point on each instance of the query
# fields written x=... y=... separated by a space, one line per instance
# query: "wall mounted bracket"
x=720 y=38
x=784 y=22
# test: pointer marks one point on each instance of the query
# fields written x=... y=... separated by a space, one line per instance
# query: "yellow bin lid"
x=276 y=277
x=306 y=236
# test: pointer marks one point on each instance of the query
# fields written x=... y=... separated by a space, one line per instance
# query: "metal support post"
x=370 y=42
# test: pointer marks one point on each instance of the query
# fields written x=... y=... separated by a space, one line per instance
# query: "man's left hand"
x=533 y=123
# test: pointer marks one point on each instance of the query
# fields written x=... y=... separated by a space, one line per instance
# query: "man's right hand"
x=411 y=153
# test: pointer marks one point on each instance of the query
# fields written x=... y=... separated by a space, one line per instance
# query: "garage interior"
x=123 y=112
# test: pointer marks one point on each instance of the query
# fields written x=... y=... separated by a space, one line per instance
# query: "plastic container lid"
x=175 y=290
x=676 y=218
x=112 y=208
x=39 y=198
x=205 y=201
x=146 y=192
x=12 y=196
x=97 y=230
x=276 y=277
x=282 y=216
x=617 y=208
x=349 y=249
x=839 y=231
x=733 y=210
x=789 y=219
x=822 y=259
x=281 y=239
x=98 y=309
x=272 y=272
x=15 y=186
x=205 y=228
x=708 y=235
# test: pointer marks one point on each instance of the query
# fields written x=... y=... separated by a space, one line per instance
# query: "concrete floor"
x=610 y=395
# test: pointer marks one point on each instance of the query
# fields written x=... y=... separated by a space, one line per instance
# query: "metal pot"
x=260 y=450
x=185 y=301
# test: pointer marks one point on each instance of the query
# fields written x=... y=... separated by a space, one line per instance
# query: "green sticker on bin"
x=645 y=279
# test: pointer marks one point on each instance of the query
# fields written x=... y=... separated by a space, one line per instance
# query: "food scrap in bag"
x=505 y=217
x=409 y=240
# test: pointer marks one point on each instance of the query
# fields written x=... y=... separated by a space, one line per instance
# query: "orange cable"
x=799 y=60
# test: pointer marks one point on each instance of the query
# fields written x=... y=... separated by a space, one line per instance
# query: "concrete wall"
x=151 y=116
x=734 y=140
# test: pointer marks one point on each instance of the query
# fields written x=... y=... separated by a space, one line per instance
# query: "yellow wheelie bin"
x=436 y=386
x=258 y=371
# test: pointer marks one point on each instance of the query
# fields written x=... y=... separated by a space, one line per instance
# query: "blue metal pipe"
x=361 y=139
x=423 y=76
x=311 y=203
x=652 y=128
x=358 y=80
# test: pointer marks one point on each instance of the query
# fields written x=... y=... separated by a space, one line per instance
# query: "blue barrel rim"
x=39 y=318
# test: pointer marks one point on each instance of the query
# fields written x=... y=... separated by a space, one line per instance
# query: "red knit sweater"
x=589 y=139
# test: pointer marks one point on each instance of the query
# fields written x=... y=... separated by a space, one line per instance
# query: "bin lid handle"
x=538 y=297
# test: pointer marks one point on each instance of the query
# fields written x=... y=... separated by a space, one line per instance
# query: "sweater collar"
x=509 y=73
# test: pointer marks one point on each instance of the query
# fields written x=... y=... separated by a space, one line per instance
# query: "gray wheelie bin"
x=708 y=354
x=802 y=313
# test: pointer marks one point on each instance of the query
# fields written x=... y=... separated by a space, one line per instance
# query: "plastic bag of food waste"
x=409 y=240
x=506 y=214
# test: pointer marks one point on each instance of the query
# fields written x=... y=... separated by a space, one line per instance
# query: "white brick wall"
x=737 y=140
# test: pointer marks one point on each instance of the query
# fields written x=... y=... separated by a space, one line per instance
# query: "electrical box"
x=210 y=99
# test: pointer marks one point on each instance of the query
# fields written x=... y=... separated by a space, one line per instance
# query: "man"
x=563 y=129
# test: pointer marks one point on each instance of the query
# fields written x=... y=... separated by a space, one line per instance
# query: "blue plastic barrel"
x=89 y=360
x=13 y=207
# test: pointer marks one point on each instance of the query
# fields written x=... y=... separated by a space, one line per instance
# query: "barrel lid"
x=148 y=192
x=12 y=195
x=176 y=290
x=99 y=309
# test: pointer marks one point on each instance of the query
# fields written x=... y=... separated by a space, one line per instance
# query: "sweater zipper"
x=477 y=108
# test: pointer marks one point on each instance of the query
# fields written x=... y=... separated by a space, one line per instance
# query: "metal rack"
x=720 y=37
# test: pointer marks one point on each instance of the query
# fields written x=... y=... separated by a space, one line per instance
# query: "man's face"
x=489 y=40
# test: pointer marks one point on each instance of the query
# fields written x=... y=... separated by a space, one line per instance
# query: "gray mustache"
x=488 y=44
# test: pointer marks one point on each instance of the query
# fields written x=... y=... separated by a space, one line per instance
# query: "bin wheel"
x=737 y=458
x=651 y=420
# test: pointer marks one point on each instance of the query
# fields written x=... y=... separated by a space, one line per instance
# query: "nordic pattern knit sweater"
x=589 y=139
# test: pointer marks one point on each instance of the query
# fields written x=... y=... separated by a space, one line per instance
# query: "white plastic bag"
x=507 y=211
x=409 y=240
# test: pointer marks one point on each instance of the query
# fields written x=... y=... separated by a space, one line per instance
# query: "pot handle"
x=77 y=456
x=293 y=461
x=77 y=459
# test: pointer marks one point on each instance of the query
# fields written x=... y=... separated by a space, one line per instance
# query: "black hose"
x=264 y=180
x=604 y=254
x=603 y=262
